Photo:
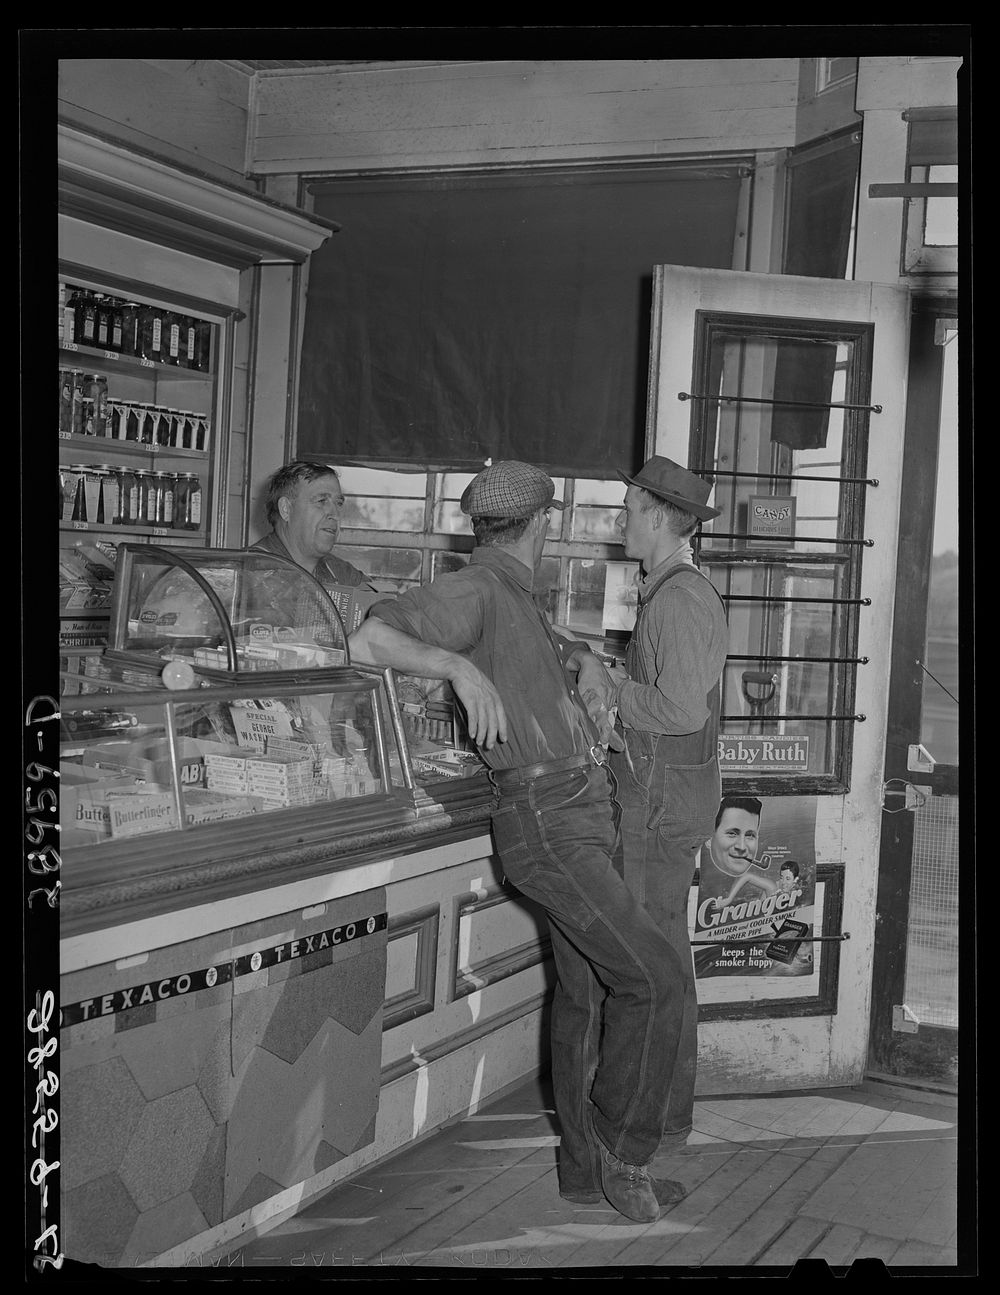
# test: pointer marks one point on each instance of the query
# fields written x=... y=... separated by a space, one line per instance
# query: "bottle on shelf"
x=203 y=345
x=171 y=338
x=69 y=382
x=84 y=306
x=187 y=502
x=130 y=327
x=115 y=324
x=149 y=335
x=189 y=341
x=165 y=483
x=162 y=421
x=95 y=404
x=67 y=319
x=102 y=327
x=141 y=514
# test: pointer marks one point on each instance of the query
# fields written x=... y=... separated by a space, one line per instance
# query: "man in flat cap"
x=617 y=1005
x=668 y=707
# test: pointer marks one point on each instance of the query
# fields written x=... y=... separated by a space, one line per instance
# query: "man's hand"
x=484 y=712
x=598 y=691
x=380 y=644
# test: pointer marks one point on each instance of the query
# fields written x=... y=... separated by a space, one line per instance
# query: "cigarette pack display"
x=786 y=946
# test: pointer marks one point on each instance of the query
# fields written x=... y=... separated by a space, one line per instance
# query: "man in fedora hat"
x=668 y=707
x=617 y=1003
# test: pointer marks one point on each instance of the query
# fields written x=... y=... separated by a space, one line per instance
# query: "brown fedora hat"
x=668 y=480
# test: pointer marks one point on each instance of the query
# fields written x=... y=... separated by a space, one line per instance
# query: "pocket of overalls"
x=689 y=802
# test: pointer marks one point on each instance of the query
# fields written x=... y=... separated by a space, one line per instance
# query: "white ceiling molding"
x=102 y=182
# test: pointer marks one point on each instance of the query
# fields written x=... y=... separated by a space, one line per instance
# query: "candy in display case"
x=225 y=612
x=145 y=761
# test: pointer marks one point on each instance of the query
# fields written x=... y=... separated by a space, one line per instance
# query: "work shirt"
x=681 y=637
x=292 y=605
x=328 y=570
x=486 y=612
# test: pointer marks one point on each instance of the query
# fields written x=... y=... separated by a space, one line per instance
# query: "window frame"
x=851 y=512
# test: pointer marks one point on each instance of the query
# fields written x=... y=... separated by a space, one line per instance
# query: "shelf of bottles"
x=136 y=400
x=133 y=457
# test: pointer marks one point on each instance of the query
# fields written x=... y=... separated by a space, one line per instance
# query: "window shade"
x=456 y=318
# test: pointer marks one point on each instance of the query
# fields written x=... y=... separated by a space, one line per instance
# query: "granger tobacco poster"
x=757 y=889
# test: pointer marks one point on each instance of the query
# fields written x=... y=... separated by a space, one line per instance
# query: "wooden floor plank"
x=918 y=1254
x=747 y=1242
x=797 y=1241
x=873 y=1246
x=862 y=1176
x=882 y=1186
x=716 y=1210
x=839 y=1246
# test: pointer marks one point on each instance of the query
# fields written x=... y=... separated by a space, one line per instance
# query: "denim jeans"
x=618 y=1002
x=667 y=813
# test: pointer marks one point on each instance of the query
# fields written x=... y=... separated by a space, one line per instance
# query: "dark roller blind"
x=456 y=318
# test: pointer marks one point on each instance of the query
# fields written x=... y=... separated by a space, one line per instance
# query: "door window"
x=780 y=425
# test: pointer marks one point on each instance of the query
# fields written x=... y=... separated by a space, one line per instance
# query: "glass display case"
x=228 y=693
x=225 y=613
x=139 y=761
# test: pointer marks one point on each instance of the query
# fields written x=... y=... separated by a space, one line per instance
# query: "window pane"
x=448 y=515
x=755 y=690
x=941 y=214
x=382 y=500
x=443 y=560
x=391 y=569
x=801 y=439
x=598 y=524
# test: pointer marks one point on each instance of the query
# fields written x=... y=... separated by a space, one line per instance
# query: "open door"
x=789 y=394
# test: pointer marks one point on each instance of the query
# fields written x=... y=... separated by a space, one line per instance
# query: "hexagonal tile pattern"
x=97 y=1221
x=215 y=1079
x=260 y=1188
x=100 y=1106
x=282 y=1113
x=167 y=1148
x=169 y=1054
x=210 y=1178
x=306 y=1002
x=365 y=975
x=164 y=1226
x=251 y=1013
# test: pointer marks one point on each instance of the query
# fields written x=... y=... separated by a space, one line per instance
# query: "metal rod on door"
x=786 y=404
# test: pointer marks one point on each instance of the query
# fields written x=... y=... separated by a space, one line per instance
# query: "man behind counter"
x=303 y=506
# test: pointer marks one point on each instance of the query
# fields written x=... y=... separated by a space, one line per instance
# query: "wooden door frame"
x=928 y=1052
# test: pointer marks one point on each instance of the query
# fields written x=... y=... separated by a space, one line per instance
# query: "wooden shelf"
x=101 y=447
x=154 y=532
x=114 y=362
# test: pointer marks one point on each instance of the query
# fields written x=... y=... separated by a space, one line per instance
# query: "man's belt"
x=503 y=779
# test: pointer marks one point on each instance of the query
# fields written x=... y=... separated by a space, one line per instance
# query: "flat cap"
x=509 y=489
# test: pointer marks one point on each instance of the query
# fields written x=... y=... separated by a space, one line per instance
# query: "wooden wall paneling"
x=495 y=935
x=192 y=111
x=411 y=966
x=327 y=120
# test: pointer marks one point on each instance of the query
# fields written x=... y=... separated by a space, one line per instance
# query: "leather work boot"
x=666 y=1190
x=629 y=1188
